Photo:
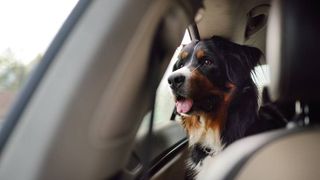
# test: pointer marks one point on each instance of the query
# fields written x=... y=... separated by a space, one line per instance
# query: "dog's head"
x=207 y=71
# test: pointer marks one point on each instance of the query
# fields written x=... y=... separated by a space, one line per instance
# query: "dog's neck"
x=242 y=112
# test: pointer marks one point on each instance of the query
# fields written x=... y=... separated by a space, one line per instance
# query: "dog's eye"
x=207 y=62
x=180 y=66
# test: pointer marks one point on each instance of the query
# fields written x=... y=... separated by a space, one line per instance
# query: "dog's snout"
x=176 y=80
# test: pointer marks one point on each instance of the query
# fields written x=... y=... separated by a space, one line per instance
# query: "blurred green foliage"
x=13 y=73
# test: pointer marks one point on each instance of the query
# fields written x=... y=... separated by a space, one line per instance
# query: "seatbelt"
x=173 y=115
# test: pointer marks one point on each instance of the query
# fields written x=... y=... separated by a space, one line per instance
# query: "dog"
x=215 y=96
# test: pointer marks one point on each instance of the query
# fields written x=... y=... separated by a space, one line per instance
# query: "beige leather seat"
x=292 y=157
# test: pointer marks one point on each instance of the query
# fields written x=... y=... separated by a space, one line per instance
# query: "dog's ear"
x=252 y=54
x=240 y=62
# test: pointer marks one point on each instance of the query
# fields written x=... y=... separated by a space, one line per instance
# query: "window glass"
x=261 y=77
x=27 y=28
x=164 y=101
x=164 y=104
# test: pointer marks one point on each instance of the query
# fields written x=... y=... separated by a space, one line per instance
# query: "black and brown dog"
x=216 y=96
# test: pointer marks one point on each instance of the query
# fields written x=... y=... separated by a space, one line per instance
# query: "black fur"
x=242 y=113
x=199 y=152
x=239 y=62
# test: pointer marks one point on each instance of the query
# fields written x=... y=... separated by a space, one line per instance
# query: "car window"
x=164 y=103
x=261 y=78
x=27 y=28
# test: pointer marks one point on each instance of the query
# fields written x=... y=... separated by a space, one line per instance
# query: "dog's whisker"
x=195 y=68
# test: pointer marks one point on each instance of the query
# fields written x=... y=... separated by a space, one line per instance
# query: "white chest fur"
x=205 y=136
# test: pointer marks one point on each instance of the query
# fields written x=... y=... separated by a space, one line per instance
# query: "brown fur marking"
x=183 y=54
x=217 y=122
x=199 y=83
x=190 y=123
x=200 y=54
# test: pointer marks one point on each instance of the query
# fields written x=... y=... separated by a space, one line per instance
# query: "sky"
x=28 y=26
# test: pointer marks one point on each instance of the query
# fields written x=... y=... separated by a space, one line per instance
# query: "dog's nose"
x=176 y=80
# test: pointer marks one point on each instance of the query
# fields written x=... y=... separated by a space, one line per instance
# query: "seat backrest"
x=293 y=157
x=293 y=47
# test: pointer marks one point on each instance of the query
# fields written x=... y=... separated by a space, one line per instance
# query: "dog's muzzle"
x=176 y=81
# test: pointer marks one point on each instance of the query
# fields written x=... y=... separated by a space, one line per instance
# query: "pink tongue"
x=184 y=106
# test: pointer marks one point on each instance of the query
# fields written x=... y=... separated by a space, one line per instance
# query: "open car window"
x=164 y=103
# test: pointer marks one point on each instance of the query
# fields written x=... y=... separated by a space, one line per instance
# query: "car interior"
x=90 y=110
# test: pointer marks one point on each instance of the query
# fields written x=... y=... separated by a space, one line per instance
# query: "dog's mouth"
x=183 y=104
x=188 y=106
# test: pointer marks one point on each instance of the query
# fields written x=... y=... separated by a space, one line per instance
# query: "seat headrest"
x=293 y=50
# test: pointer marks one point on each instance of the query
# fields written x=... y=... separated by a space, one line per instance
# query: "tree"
x=12 y=72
